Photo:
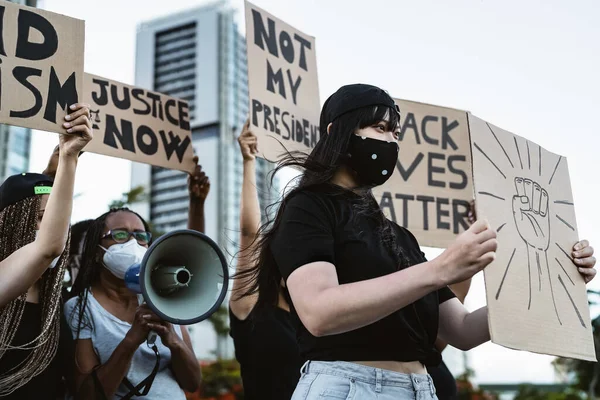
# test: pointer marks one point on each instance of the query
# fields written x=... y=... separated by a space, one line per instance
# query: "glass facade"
x=175 y=65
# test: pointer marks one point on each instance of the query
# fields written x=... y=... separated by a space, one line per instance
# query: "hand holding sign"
x=471 y=252
x=79 y=131
x=248 y=143
x=530 y=210
x=198 y=183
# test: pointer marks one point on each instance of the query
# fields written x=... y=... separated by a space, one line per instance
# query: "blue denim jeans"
x=344 y=380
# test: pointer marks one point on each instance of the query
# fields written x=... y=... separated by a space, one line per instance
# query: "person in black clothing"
x=366 y=304
x=264 y=340
x=35 y=211
x=443 y=380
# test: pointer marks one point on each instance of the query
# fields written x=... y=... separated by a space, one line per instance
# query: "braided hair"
x=18 y=223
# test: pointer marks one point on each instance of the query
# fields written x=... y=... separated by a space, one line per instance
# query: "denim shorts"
x=345 y=380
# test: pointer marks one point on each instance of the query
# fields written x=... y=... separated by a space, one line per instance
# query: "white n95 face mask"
x=119 y=257
x=55 y=261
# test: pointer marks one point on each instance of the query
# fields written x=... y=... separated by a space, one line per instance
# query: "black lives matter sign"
x=41 y=66
x=282 y=83
x=138 y=124
x=431 y=189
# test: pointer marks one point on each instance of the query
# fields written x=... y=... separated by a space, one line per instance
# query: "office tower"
x=200 y=56
x=15 y=141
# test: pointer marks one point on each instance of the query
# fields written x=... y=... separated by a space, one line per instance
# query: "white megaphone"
x=183 y=278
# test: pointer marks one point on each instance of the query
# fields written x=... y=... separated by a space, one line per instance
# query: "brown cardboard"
x=284 y=110
x=524 y=192
x=138 y=124
x=430 y=190
x=41 y=66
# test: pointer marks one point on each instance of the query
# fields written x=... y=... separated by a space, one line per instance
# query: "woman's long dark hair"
x=319 y=168
x=91 y=264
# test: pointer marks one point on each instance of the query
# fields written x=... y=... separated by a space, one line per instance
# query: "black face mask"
x=373 y=160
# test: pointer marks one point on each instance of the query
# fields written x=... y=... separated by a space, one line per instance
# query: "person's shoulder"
x=311 y=196
x=73 y=304
x=70 y=304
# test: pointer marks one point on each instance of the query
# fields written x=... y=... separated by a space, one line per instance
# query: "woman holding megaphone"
x=35 y=211
x=367 y=304
x=110 y=328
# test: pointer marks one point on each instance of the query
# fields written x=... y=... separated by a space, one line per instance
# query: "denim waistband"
x=374 y=376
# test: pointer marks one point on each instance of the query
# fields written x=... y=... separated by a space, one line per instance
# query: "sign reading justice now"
x=139 y=125
x=41 y=66
x=283 y=85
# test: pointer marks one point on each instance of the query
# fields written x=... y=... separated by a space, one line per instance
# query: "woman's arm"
x=183 y=360
x=462 y=329
x=22 y=268
x=184 y=363
x=111 y=373
x=240 y=305
x=327 y=308
x=460 y=290
x=198 y=188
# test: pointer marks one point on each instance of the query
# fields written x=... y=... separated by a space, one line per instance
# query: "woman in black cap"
x=365 y=300
x=35 y=212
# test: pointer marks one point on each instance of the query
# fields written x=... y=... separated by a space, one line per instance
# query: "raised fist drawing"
x=530 y=211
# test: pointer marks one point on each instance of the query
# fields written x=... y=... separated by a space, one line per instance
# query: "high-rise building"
x=15 y=141
x=200 y=56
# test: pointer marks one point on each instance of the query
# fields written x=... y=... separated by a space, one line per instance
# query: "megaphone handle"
x=151 y=335
x=151 y=338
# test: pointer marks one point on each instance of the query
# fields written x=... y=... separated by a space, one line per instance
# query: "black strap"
x=142 y=388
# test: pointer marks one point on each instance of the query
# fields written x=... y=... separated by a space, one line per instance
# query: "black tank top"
x=266 y=348
x=49 y=384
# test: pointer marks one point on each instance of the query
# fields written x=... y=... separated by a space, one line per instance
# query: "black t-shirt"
x=320 y=225
x=444 y=382
x=266 y=348
x=49 y=384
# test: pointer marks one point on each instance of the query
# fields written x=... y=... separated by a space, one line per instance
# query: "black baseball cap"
x=21 y=186
x=352 y=97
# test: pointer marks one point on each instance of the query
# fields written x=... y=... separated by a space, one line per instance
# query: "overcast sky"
x=530 y=67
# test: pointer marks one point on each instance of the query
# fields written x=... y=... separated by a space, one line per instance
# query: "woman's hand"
x=471 y=252
x=198 y=183
x=166 y=331
x=248 y=143
x=138 y=333
x=472 y=215
x=583 y=256
x=78 y=131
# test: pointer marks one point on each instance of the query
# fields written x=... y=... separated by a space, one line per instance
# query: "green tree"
x=135 y=195
x=531 y=392
x=219 y=322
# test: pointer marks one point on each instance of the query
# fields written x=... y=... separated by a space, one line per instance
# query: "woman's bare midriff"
x=412 y=367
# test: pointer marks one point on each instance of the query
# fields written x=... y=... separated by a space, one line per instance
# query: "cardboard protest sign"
x=430 y=191
x=283 y=85
x=536 y=298
x=41 y=66
x=139 y=125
